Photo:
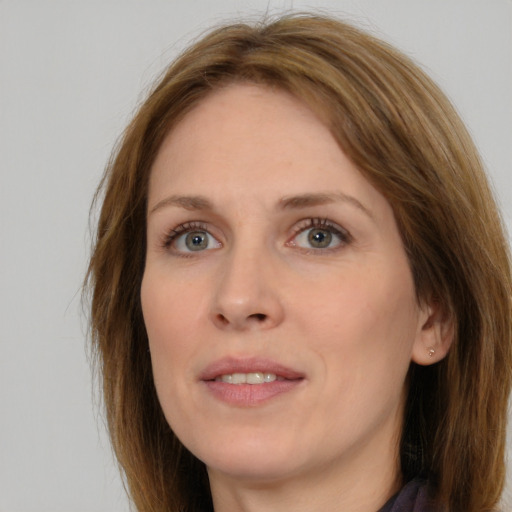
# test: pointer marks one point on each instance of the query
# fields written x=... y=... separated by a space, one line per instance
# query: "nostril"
x=241 y=321
x=260 y=317
x=222 y=319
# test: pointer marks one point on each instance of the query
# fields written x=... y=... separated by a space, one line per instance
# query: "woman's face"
x=277 y=295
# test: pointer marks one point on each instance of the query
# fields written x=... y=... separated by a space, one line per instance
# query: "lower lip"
x=250 y=395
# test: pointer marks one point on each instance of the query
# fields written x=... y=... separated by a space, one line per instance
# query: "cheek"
x=367 y=320
x=171 y=308
x=171 y=316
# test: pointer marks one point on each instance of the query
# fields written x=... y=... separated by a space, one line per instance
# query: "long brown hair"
x=406 y=138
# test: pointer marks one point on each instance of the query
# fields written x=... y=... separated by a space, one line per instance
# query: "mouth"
x=250 y=370
x=249 y=382
x=248 y=378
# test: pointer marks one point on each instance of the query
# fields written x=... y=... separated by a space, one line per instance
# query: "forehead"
x=249 y=140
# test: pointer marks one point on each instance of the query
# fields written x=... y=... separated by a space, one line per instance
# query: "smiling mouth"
x=249 y=382
x=249 y=378
x=251 y=370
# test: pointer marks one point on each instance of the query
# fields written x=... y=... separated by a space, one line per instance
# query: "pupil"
x=320 y=238
x=196 y=241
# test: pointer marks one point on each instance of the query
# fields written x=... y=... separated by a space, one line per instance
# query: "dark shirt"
x=414 y=497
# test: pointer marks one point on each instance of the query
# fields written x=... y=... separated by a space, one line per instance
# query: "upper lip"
x=230 y=365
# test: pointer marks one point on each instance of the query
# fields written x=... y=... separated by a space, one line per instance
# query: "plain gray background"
x=72 y=73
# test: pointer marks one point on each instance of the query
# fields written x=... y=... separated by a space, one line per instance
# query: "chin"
x=248 y=458
x=256 y=470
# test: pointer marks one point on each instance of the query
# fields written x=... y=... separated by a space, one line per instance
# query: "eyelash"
x=324 y=224
x=302 y=226
x=186 y=227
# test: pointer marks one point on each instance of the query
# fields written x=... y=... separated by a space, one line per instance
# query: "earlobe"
x=435 y=335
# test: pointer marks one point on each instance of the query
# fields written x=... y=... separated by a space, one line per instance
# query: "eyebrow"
x=192 y=203
x=199 y=203
x=308 y=200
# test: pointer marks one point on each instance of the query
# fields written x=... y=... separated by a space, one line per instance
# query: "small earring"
x=431 y=352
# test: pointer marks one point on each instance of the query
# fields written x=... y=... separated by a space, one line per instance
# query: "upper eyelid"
x=188 y=226
x=319 y=222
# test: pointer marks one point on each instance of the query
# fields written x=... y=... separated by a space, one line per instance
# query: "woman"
x=300 y=284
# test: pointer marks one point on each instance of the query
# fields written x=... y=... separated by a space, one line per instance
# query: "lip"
x=249 y=395
x=230 y=365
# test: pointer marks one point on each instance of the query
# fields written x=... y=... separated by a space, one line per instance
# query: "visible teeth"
x=255 y=378
x=239 y=378
x=248 y=378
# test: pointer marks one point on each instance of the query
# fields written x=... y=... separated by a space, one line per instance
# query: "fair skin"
x=269 y=255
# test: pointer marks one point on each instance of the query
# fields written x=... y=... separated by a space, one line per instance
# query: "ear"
x=435 y=334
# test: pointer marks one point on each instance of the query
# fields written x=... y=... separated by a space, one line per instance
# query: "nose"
x=247 y=294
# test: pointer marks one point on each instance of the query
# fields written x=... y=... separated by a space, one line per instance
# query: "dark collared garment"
x=414 y=497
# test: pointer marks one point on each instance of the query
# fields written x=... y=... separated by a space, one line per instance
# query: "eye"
x=194 y=241
x=319 y=234
x=191 y=237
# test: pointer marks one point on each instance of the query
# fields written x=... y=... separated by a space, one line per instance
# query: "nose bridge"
x=246 y=294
